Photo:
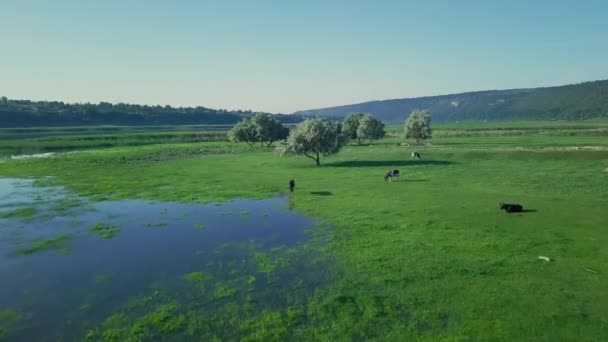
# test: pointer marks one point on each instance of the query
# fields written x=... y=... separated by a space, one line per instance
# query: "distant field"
x=527 y=126
x=71 y=142
x=14 y=141
x=39 y=132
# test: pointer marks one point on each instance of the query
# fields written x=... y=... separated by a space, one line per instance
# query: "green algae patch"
x=102 y=278
x=156 y=225
x=57 y=243
x=196 y=277
x=269 y=264
x=8 y=318
x=105 y=230
x=66 y=204
x=10 y=315
x=26 y=213
x=153 y=325
x=222 y=292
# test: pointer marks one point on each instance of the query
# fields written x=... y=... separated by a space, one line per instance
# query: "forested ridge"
x=582 y=101
x=26 y=113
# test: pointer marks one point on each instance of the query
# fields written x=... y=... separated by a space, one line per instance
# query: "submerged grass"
x=197 y=277
x=58 y=243
x=102 y=278
x=156 y=225
x=28 y=212
x=105 y=230
x=428 y=257
x=8 y=318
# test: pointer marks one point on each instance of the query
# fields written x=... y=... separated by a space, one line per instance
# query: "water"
x=246 y=250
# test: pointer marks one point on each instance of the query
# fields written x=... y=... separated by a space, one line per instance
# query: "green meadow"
x=427 y=257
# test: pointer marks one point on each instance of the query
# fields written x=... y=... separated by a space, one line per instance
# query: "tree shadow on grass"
x=389 y=163
x=321 y=193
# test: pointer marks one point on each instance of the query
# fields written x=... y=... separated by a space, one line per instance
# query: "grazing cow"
x=390 y=175
x=511 y=208
x=292 y=185
x=415 y=155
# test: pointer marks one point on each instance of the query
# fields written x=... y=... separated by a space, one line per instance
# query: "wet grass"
x=428 y=257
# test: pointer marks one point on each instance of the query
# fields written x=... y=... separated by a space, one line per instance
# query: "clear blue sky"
x=283 y=56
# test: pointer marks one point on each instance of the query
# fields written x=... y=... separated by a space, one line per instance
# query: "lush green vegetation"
x=429 y=257
x=582 y=101
x=26 y=113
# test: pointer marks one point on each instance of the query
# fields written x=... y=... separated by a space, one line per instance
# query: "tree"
x=268 y=129
x=369 y=129
x=245 y=131
x=261 y=128
x=418 y=125
x=350 y=125
x=3 y=101
x=313 y=138
x=373 y=129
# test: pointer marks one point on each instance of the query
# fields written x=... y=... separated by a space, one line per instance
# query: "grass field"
x=428 y=257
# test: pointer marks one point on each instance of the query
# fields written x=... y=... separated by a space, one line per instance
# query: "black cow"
x=292 y=185
x=511 y=208
x=415 y=155
x=391 y=174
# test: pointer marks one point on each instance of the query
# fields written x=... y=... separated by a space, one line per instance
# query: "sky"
x=283 y=56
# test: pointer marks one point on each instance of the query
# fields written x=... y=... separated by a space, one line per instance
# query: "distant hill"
x=26 y=113
x=587 y=100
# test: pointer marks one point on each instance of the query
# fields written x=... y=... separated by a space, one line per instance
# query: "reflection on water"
x=66 y=265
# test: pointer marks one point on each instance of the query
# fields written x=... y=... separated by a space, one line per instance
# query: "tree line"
x=26 y=113
x=314 y=138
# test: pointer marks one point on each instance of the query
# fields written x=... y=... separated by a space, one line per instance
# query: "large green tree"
x=261 y=128
x=243 y=131
x=314 y=138
x=268 y=129
x=362 y=128
x=369 y=129
x=418 y=125
x=350 y=125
